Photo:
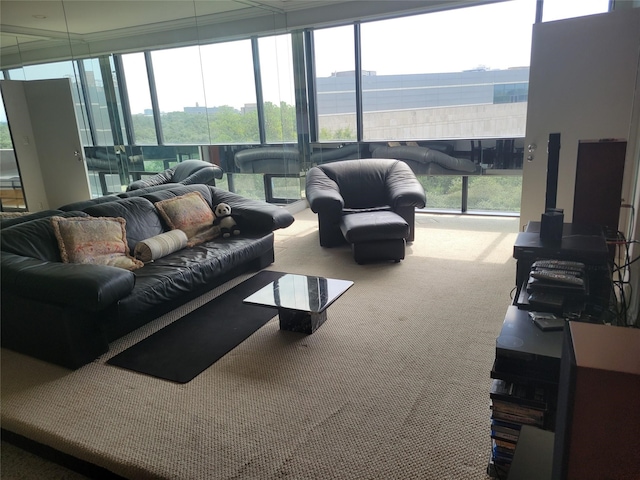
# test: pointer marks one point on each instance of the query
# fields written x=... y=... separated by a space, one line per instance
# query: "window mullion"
x=124 y=100
x=358 y=74
x=153 y=92
x=312 y=99
x=301 y=94
x=259 y=97
x=87 y=101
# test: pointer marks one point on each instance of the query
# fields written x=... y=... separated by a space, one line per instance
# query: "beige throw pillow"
x=192 y=214
x=94 y=240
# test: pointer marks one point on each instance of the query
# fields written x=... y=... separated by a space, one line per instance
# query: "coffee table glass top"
x=300 y=292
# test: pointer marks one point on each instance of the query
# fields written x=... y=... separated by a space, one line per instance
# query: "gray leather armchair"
x=187 y=172
x=373 y=186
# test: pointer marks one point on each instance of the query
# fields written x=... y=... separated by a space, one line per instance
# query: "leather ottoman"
x=375 y=236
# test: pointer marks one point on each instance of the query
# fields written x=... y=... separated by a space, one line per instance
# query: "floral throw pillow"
x=192 y=214
x=94 y=240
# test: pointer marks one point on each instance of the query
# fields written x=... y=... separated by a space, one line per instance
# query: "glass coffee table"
x=301 y=300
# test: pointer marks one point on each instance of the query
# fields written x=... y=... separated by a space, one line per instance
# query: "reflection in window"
x=181 y=96
x=511 y=92
x=135 y=72
x=11 y=194
x=5 y=136
x=230 y=96
x=100 y=102
x=335 y=83
x=47 y=71
x=276 y=68
x=432 y=76
x=561 y=9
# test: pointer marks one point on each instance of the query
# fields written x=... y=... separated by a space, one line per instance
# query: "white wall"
x=24 y=145
x=582 y=85
x=44 y=129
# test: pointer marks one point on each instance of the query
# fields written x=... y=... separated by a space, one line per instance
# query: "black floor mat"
x=191 y=344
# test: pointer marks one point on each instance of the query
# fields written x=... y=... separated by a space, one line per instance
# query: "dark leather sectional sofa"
x=68 y=313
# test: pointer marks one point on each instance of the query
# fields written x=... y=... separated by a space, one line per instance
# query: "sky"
x=495 y=36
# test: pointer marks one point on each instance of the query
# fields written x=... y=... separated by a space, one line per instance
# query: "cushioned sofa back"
x=35 y=238
x=8 y=222
x=362 y=183
x=82 y=204
x=176 y=191
x=143 y=191
x=140 y=214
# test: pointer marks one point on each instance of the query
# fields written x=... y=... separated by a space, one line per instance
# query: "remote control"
x=559 y=278
x=559 y=264
x=558 y=272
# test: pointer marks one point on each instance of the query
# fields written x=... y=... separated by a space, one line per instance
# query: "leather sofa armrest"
x=151 y=180
x=88 y=287
x=403 y=187
x=252 y=215
x=323 y=194
x=206 y=175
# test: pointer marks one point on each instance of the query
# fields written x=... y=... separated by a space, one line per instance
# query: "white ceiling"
x=35 y=31
x=33 y=20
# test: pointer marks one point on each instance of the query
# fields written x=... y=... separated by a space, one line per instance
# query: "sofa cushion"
x=171 y=280
x=141 y=216
x=97 y=241
x=161 y=245
x=192 y=214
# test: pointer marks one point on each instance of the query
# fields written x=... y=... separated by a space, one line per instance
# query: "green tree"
x=339 y=134
x=230 y=126
x=280 y=122
x=5 y=137
x=144 y=129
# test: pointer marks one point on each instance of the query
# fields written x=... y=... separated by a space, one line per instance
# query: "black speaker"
x=551 y=226
x=598 y=419
x=553 y=162
x=598 y=190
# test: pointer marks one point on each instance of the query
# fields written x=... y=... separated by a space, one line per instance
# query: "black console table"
x=524 y=389
x=580 y=243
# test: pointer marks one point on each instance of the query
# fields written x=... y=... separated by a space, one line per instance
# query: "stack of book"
x=512 y=406
x=557 y=286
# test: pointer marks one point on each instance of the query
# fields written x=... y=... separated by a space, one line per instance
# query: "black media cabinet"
x=526 y=371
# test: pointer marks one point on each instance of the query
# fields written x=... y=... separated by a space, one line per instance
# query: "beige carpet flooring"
x=393 y=386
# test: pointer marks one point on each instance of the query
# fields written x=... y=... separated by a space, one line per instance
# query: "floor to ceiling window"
x=433 y=76
x=335 y=83
x=139 y=98
x=561 y=9
x=458 y=77
x=230 y=92
x=181 y=95
x=276 y=71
